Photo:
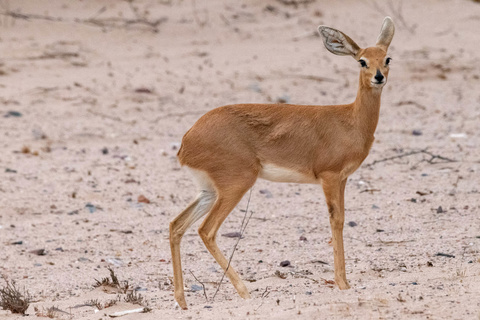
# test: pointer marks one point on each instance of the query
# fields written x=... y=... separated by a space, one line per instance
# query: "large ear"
x=338 y=42
x=386 y=35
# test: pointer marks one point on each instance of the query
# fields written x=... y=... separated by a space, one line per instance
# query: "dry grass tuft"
x=12 y=299
x=135 y=298
x=106 y=282
x=99 y=305
x=47 y=313
x=113 y=282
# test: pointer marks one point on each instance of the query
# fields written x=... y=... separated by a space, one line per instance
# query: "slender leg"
x=334 y=190
x=198 y=208
x=226 y=201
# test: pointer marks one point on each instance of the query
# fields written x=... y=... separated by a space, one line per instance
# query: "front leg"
x=334 y=189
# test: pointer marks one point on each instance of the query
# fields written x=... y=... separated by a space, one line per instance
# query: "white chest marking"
x=280 y=174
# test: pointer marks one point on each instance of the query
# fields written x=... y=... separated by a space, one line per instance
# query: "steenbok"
x=228 y=148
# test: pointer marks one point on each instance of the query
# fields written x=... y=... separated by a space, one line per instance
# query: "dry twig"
x=295 y=3
x=242 y=230
x=199 y=22
x=432 y=160
x=203 y=286
x=264 y=295
x=396 y=12
x=111 y=22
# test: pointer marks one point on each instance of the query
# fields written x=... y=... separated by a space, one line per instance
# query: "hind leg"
x=197 y=209
x=229 y=194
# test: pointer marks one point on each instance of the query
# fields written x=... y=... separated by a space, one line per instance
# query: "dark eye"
x=362 y=63
x=387 y=62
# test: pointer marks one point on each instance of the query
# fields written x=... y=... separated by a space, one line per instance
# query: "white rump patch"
x=202 y=179
x=206 y=197
x=280 y=174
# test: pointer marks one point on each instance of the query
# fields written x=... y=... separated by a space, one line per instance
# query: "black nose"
x=379 y=76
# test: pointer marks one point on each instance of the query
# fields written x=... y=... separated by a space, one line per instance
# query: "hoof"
x=181 y=302
x=242 y=291
x=245 y=295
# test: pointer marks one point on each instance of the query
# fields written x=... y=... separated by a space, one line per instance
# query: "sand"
x=96 y=96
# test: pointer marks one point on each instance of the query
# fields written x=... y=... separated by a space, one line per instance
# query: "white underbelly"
x=280 y=174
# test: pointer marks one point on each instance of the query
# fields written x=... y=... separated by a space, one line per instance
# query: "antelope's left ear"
x=386 y=34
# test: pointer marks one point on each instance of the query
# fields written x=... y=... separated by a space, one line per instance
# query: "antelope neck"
x=366 y=108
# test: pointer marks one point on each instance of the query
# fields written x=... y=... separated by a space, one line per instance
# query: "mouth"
x=377 y=84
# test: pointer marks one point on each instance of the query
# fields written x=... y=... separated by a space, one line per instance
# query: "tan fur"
x=232 y=146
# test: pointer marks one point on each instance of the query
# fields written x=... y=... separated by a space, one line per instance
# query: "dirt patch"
x=96 y=97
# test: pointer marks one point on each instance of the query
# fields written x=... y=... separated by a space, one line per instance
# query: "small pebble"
x=267 y=193
x=440 y=254
x=143 y=199
x=116 y=262
x=12 y=113
x=141 y=289
x=196 y=287
x=255 y=87
x=232 y=235
x=417 y=132
x=283 y=99
x=39 y=252
x=285 y=263
x=352 y=224
x=90 y=207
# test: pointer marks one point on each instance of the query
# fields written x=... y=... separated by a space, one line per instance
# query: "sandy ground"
x=93 y=106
